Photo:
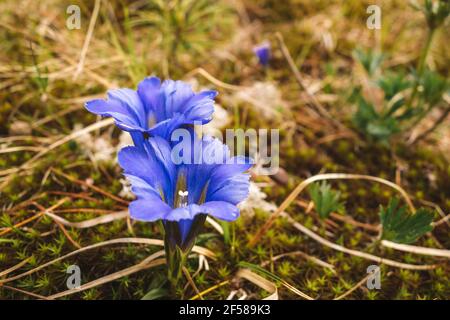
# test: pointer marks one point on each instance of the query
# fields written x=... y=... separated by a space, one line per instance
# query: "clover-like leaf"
x=326 y=200
x=433 y=87
x=369 y=121
x=401 y=226
x=393 y=83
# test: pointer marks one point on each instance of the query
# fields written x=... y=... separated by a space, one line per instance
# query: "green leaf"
x=156 y=289
x=371 y=60
x=155 y=294
x=393 y=83
x=260 y=270
x=433 y=86
x=400 y=226
x=226 y=231
x=378 y=127
x=325 y=199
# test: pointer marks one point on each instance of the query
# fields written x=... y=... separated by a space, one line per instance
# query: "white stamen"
x=183 y=197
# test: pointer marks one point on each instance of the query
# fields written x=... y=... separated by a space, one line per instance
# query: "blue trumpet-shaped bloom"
x=262 y=52
x=177 y=182
x=155 y=108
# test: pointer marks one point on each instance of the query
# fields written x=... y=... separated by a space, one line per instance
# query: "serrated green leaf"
x=325 y=199
x=402 y=227
x=433 y=86
x=393 y=83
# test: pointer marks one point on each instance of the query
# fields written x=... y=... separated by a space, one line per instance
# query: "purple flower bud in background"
x=262 y=52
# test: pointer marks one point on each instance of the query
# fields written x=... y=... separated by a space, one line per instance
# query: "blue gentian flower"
x=176 y=183
x=262 y=52
x=156 y=108
x=183 y=186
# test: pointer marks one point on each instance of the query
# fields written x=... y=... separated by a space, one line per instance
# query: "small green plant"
x=156 y=289
x=371 y=60
x=377 y=125
x=39 y=80
x=326 y=200
x=185 y=26
x=408 y=97
x=402 y=227
x=435 y=11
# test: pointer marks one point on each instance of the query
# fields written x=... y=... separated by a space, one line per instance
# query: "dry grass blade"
x=417 y=250
x=13 y=268
x=326 y=176
x=356 y=286
x=21 y=148
x=154 y=242
x=35 y=295
x=60 y=225
x=56 y=115
x=91 y=222
x=147 y=263
x=356 y=253
x=214 y=224
x=21 y=223
x=36 y=216
x=213 y=80
x=442 y=221
x=260 y=282
x=191 y=282
x=72 y=136
x=88 y=39
x=30 y=163
x=274 y=277
x=317 y=105
x=345 y=219
x=221 y=284
x=303 y=255
x=90 y=186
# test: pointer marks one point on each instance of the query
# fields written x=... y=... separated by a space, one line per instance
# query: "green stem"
x=175 y=262
x=421 y=65
x=233 y=240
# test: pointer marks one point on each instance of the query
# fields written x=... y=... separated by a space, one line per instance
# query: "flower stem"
x=175 y=262
x=421 y=64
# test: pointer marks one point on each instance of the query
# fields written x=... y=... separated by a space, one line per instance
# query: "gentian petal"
x=115 y=109
x=136 y=162
x=176 y=93
x=200 y=107
x=153 y=164
x=161 y=149
x=232 y=167
x=262 y=52
x=155 y=108
x=221 y=210
x=131 y=100
x=186 y=212
x=149 y=90
x=165 y=128
x=185 y=226
x=148 y=209
x=232 y=190
x=141 y=188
